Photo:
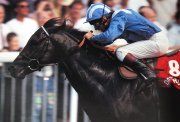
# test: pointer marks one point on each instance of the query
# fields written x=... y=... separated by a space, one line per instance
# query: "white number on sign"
x=174 y=68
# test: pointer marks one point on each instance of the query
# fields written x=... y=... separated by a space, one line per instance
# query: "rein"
x=82 y=43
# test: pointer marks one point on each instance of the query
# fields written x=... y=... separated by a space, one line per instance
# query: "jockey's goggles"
x=97 y=21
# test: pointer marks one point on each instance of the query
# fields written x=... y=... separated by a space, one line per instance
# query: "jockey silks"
x=129 y=25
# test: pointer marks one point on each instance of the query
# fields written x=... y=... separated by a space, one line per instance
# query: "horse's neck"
x=82 y=67
x=79 y=75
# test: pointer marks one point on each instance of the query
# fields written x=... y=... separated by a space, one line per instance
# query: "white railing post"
x=73 y=105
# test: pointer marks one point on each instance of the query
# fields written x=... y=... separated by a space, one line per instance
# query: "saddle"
x=128 y=73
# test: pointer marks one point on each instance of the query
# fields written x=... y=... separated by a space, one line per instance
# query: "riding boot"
x=140 y=68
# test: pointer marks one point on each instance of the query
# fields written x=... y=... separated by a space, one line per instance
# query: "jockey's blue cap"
x=96 y=11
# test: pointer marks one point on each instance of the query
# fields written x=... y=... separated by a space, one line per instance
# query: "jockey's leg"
x=139 y=67
x=131 y=53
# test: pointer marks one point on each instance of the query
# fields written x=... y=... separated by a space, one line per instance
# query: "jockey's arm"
x=112 y=47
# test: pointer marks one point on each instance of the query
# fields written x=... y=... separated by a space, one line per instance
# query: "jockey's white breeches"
x=156 y=46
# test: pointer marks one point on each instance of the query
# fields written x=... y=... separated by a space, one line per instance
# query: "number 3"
x=174 y=68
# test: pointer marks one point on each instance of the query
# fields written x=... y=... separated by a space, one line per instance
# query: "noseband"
x=33 y=63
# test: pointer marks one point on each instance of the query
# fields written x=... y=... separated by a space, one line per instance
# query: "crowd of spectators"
x=24 y=17
x=19 y=19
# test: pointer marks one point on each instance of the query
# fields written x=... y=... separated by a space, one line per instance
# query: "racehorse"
x=104 y=95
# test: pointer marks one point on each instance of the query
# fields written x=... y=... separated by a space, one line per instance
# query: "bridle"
x=33 y=63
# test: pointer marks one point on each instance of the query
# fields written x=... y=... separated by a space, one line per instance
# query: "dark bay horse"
x=104 y=95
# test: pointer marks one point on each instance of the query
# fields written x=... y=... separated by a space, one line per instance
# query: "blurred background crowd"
x=19 y=19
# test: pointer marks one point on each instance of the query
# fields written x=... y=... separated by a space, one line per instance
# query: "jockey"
x=145 y=40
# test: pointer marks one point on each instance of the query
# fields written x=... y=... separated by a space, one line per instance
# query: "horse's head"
x=47 y=45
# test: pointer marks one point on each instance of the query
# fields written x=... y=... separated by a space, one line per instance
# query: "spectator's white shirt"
x=165 y=10
x=23 y=29
x=174 y=35
x=164 y=30
x=46 y=71
x=4 y=30
x=136 y=4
